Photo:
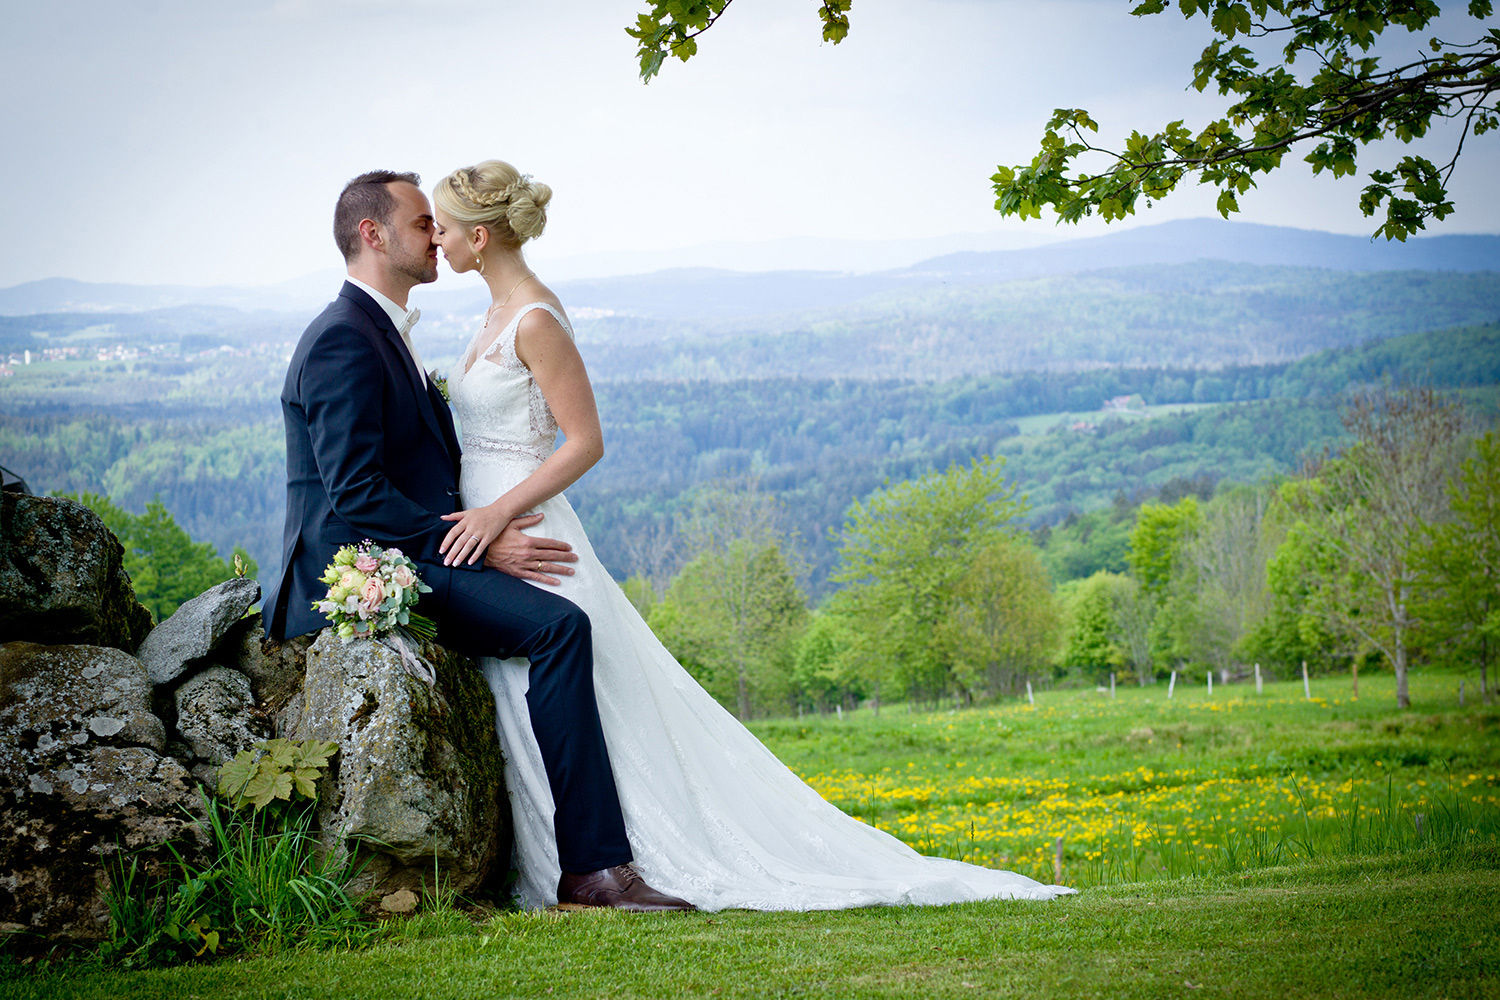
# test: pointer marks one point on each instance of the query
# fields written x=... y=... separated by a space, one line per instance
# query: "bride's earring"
x=479 y=263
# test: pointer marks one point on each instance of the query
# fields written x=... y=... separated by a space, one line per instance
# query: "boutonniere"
x=441 y=381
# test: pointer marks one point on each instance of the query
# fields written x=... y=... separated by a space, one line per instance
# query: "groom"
x=371 y=453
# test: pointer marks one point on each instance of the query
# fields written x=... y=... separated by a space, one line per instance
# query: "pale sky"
x=164 y=141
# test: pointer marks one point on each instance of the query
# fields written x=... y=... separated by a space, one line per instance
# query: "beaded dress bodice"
x=500 y=408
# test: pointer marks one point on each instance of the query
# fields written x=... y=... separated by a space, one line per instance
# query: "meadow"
x=1231 y=844
x=1142 y=786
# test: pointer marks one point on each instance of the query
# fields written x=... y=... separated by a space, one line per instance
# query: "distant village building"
x=1123 y=404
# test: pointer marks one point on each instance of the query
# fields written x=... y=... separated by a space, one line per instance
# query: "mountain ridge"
x=701 y=291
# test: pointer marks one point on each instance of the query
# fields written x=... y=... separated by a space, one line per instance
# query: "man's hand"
x=527 y=556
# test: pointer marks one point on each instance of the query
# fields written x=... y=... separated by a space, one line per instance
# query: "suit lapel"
x=445 y=419
x=423 y=394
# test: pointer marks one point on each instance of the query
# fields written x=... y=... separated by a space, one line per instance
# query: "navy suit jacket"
x=370 y=453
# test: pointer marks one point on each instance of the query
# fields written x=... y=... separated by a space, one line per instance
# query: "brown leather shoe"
x=620 y=887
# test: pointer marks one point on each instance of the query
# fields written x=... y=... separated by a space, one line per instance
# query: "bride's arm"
x=545 y=348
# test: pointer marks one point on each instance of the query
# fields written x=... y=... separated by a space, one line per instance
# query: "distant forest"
x=206 y=438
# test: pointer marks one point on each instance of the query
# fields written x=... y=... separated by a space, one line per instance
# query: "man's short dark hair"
x=365 y=197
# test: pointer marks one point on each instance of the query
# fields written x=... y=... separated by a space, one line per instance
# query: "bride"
x=712 y=815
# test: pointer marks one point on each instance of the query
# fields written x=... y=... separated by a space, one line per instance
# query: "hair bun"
x=495 y=194
x=527 y=209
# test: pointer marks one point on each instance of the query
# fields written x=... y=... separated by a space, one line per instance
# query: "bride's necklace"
x=490 y=314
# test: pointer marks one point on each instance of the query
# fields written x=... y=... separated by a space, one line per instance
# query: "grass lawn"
x=1143 y=786
x=1231 y=844
x=1418 y=925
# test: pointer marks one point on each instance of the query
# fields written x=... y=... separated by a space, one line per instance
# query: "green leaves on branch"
x=1347 y=100
x=671 y=28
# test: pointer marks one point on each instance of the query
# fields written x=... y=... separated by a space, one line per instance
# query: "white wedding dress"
x=712 y=815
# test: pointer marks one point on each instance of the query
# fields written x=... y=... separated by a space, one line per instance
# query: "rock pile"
x=109 y=727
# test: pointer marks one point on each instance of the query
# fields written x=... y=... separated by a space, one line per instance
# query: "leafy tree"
x=1090 y=626
x=1219 y=594
x=1132 y=612
x=825 y=671
x=903 y=551
x=733 y=617
x=1293 y=632
x=1348 y=97
x=1157 y=541
x=1002 y=624
x=1367 y=511
x=734 y=612
x=166 y=567
x=672 y=27
x=1461 y=564
x=641 y=594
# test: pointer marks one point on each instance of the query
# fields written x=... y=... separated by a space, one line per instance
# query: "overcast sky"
x=190 y=142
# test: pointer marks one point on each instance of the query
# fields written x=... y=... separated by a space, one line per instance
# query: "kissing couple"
x=630 y=785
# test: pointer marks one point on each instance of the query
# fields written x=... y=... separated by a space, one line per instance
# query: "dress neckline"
x=509 y=330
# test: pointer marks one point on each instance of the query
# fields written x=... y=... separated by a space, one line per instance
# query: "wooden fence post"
x=1031 y=698
x=1210 y=682
x=1171 y=684
x=1306 y=690
x=1257 y=679
x=1111 y=683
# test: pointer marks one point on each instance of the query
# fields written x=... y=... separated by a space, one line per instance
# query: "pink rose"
x=352 y=579
x=373 y=593
x=366 y=564
x=403 y=577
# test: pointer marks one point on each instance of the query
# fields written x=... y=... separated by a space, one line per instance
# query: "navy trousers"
x=493 y=614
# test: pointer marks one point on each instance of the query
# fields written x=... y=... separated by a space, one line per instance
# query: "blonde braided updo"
x=495 y=195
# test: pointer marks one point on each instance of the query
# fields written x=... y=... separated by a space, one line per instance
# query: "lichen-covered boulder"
x=418 y=776
x=217 y=717
x=195 y=628
x=62 y=577
x=82 y=777
x=275 y=667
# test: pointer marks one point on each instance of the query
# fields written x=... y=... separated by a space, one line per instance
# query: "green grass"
x=1422 y=924
x=1044 y=423
x=1308 y=878
x=1140 y=786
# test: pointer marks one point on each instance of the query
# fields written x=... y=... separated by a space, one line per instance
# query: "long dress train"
x=712 y=815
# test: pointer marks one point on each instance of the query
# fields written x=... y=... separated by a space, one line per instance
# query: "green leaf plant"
x=275 y=770
x=1299 y=74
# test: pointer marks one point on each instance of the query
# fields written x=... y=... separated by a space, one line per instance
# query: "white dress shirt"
x=402 y=319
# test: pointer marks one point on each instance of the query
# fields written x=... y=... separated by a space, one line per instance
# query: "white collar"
x=402 y=319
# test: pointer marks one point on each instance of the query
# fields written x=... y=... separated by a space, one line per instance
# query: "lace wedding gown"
x=712 y=815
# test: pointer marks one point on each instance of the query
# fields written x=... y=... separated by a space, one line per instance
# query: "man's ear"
x=371 y=235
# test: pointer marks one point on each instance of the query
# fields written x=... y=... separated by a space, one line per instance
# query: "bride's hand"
x=475 y=530
x=529 y=557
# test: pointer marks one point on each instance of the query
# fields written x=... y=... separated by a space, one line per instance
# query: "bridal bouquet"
x=371 y=592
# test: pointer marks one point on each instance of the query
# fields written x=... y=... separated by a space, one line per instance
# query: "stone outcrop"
x=108 y=728
x=62 y=577
x=217 y=717
x=194 y=629
x=275 y=667
x=83 y=776
x=418 y=777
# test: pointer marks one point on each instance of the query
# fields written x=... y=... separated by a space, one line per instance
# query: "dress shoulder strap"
x=505 y=344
